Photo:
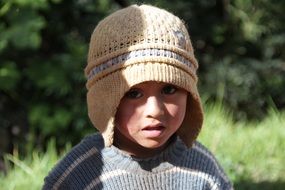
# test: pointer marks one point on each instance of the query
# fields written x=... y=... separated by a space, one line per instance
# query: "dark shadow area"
x=264 y=185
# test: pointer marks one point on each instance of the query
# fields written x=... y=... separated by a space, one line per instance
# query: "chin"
x=152 y=144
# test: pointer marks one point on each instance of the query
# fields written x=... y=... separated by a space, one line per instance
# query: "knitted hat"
x=134 y=45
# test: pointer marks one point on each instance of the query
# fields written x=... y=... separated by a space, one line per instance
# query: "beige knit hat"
x=134 y=45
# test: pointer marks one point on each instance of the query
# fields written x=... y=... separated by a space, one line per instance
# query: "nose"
x=154 y=107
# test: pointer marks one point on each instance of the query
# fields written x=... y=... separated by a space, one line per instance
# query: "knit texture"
x=91 y=165
x=134 y=45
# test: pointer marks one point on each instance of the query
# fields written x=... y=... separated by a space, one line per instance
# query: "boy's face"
x=149 y=114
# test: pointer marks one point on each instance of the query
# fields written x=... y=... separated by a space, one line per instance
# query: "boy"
x=143 y=99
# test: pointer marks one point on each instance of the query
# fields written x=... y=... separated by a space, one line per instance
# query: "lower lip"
x=151 y=133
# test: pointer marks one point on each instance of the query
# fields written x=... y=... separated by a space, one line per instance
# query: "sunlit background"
x=240 y=46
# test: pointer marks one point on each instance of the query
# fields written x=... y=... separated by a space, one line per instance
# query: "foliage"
x=240 y=48
x=43 y=47
x=29 y=173
x=252 y=156
x=43 y=55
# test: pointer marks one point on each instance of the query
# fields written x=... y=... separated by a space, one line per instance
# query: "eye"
x=169 y=89
x=133 y=94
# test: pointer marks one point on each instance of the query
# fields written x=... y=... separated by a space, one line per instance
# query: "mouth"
x=153 y=131
x=151 y=128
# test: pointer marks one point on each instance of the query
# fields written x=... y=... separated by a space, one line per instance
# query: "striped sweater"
x=90 y=165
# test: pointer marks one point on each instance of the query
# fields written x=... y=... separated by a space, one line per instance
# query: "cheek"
x=177 y=110
x=125 y=116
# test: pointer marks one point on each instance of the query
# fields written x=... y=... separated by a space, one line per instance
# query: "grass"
x=252 y=154
x=28 y=174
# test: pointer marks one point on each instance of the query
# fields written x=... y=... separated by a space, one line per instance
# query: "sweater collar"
x=168 y=158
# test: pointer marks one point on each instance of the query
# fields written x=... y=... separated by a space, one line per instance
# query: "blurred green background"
x=240 y=46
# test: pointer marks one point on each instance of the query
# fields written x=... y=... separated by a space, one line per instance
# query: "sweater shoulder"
x=203 y=161
x=88 y=148
x=200 y=151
